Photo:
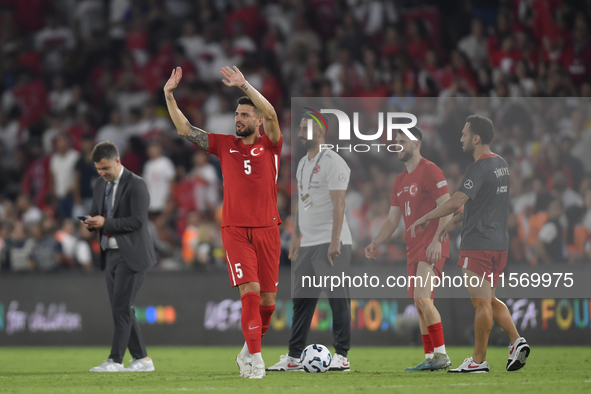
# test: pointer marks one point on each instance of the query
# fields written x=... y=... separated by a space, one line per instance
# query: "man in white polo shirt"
x=324 y=248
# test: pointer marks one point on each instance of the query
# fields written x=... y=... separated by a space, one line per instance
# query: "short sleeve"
x=434 y=182
x=170 y=170
x=548 y=232
x=338 y=174
x=473 y=181
x=213 y=142
x=395 y=202
x=275 y=148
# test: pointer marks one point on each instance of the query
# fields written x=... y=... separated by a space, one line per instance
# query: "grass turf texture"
x=212 y=369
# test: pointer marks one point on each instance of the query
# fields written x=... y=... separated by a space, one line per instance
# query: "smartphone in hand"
x=82 y=217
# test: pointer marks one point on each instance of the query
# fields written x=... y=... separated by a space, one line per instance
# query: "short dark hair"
x=415 y=131
x=105 y=150
x=245 y=100
x=479 y=125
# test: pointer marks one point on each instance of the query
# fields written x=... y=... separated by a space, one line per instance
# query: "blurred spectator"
x=85 y=174
x=113 y=131
x=190 y=239
x=574 y=164
x=60 y=97
x=206 y=247
x=133 y=155
x=159 y=174
x=345 y=71
x=89 y=18
x=207 y=182
x=4 y=240
x=46 y=254
x=93 y=242
x=578 y=245
x=567 y=196
x=19 y=248
x=550 y=246
x=52 y=42
x=151 y=126
x=37 y=178
x=63 y=167
x=222 y=122
x=28 y=213
x=192 y=43
x=9 y=132
x=76 y=252
x=474 y=45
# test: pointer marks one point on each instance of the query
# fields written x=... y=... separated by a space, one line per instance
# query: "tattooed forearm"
x=465 y=198
x=170 y=98
x=198 y=137
x=244 y=87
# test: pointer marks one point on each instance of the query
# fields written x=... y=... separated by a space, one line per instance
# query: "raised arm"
x=183 y=127
x=233 y=77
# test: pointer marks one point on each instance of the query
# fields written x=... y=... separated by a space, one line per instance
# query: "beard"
x=246 y=132
x=468 y=148
x=306 y=143
x=405 y=156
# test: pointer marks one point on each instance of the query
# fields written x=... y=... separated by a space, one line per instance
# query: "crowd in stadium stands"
x=73 y=73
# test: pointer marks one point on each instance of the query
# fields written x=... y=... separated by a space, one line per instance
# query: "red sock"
x=427 y=344
x=251 y=321
x=436 y=334
x=266 y=313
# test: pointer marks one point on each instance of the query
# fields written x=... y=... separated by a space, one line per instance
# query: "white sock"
x=440 y=349
x=428 y=355
x=257 y=358
x=244 y=352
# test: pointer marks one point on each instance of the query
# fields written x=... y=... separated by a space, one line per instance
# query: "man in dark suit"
x=120 y=213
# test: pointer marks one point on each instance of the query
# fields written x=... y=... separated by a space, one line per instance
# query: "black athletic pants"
x=313 y=261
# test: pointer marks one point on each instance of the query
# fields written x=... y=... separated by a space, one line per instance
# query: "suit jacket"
x=129 y=224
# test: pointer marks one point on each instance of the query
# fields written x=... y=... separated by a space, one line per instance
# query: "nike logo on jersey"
x=234 y=151
x=276 y=283
x=252 y=328
x=399 y=193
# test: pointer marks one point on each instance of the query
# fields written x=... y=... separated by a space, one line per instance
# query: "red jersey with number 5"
x=250 y=180
x=416 y=194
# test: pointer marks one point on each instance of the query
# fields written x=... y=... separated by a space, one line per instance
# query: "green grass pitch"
x=212 y=369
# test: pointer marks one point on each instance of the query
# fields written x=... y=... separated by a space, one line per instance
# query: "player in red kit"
x=418 y=190
x=250 y=220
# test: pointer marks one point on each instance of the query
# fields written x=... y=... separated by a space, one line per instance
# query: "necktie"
x=107 y=209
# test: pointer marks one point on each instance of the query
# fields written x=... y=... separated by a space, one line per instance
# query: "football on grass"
x=316 y=358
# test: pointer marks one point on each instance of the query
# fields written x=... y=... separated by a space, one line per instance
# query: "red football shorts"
x=412 y=271
x=252 y=255
x=483 y=262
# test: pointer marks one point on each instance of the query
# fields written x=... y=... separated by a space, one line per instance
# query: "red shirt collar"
x=487 y=156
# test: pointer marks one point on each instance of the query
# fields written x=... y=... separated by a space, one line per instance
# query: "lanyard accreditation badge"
x=306 y=198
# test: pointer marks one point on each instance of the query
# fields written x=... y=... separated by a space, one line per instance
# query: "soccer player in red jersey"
x=418 y=190
x=250 y=220
x=484 y=193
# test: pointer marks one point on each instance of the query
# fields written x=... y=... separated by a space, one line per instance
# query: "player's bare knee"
x=481 y=303
x=423 y=305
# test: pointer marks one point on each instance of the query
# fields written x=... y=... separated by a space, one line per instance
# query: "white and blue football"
x=316 y=358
